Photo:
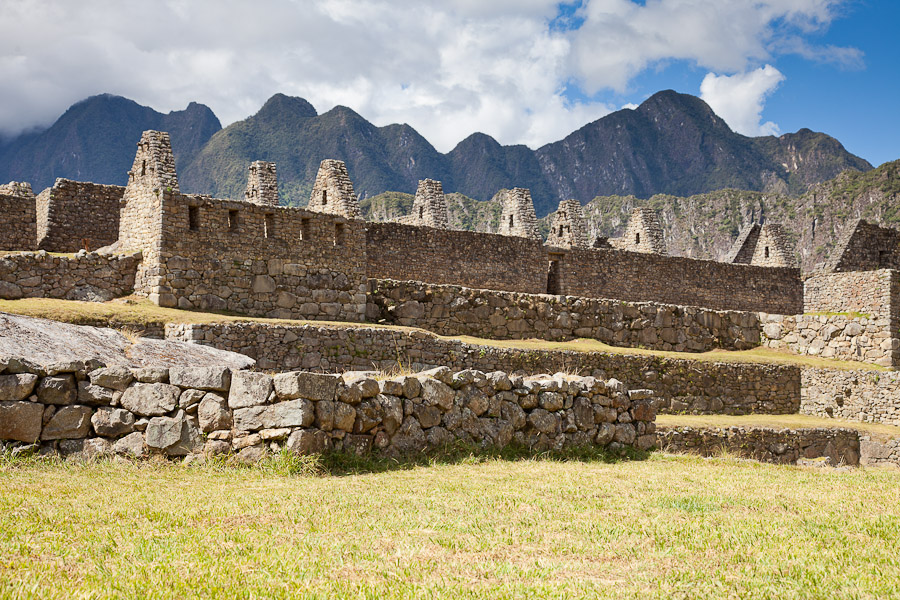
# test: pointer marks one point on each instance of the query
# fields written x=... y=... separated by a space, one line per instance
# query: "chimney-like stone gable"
x=429 y=207
x=643 y=233
x=333 y=191
x=20 y=189
x=262 y=184
x=517 y=217
x=763 y=246
x=567 y=228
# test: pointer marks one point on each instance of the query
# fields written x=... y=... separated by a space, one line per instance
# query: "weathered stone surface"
x=189 y=399
x=85 y=449
x=20 y=421
x=436 y=393
x=131 y=445
x=308 y=441
x=249 y=389
x=112 y=422
x=94 y=395
x=291 y=413
x=152 y=374
x=58 y=390
x=176 y=436
x=151 y=399
x=50 y=342
x=16 y=387
x=217 y=379
x=213 y=413
x=116 y=377
x=300 y=384
x=69 y=422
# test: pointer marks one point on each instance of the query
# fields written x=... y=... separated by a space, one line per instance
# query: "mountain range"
x=671 y=144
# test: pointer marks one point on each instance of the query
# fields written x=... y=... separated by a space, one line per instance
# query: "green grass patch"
x=848 y=314
x=669 y=526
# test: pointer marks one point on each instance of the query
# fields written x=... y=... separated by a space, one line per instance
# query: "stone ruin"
x=21 y=189
x=567 y=229
x=517 y=216
x=429 y=207
x=643 y=233
x=262 y=184
x=764 y=246
x=865 y=246
x=333 y=192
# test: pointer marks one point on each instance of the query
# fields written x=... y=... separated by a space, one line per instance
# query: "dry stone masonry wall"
x=86 y=413
x=642 y=234
x=567 y=227
x=455 y=310
x=681 y=386
x=74 y=215
x=865 y=246
x=262 y=183
x=333 y=191
x=782 y=446
x=18 y=228
x=517 y=216
x=429 y=206
x=84 y=276
x=868 y=396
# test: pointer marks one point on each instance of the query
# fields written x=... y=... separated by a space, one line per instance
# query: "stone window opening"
x=193 y=218
x=304 y=229
x=421 y=212
x=143 y=168
x=269 y=225
x=637 y=238
x=553 y=277
x=766 y=252
x=232 y=220
x=324 y=197
x=560 y=230
x=883 y=256
x=510 y=220
x=338 y=234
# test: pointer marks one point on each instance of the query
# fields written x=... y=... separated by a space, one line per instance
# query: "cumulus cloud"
x=448 y=68
x=739 y=98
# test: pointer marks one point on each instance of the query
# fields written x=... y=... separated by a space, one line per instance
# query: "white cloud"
x=448 y=68
x=739 y=98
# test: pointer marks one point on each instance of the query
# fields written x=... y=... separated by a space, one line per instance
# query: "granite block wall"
x=681 y=386
x=869 y=396
x=455 y=310
x=441 y=256
x=84 y=276
x=782 y=446
x=646 y=277
x=180 y=411
x=75 y=215
x=18 y=229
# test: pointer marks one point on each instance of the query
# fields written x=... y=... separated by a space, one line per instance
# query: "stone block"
x=249 y=389
x=69 y=422
x=213 y=413
x=301 y=384
x=16 y=387
x=112 y=422
x=21 y=421
x=59 y=390
x=215 y=379
x=151 y=399
x=291 y=413
x=116 y=377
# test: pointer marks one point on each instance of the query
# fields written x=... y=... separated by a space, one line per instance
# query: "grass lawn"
x=138 y=314
x=668 y=526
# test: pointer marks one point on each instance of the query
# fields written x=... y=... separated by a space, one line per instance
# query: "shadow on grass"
x=339 y=464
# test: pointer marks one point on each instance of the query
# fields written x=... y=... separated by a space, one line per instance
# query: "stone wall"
x=84 y=276
x=869 y=396
x=180 y=411
x=647 y=277
x=455 y=310
x=782 y=446
x=877 y=452
x=681 y=386
x=269 y=261
x=477 y=260
x=201 y=252
x=75 y=215
x=18 y=230
x=850 y=316
x=838 y=336
x=865 y=246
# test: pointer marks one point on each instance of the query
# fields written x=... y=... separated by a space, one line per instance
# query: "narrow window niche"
x=194 y=218
x=339 y=234
x=269 y=225
x=232 y=220
x=305 y=229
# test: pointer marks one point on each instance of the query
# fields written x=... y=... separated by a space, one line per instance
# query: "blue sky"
x=522 y=71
